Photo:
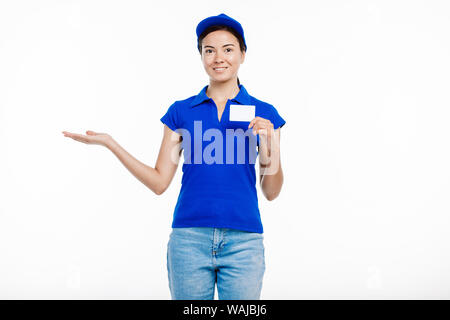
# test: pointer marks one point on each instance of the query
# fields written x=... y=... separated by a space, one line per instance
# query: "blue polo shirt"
x=218 y=186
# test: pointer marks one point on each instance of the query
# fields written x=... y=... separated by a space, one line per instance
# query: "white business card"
x=242 y=112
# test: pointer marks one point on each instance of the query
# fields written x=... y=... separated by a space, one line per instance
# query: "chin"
x=220 y=79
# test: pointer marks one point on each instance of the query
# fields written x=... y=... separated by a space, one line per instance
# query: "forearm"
x=271 y=176
x=149 y=176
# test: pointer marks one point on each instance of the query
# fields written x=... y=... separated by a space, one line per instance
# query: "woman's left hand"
x=268 y=138
x=263 y=127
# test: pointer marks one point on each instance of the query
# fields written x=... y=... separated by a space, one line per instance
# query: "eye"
x=208 y=50
x=229 y=49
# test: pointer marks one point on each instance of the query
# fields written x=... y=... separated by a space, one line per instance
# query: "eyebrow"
x=229 y=44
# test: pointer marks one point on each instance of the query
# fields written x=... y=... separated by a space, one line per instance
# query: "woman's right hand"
x=91 y=138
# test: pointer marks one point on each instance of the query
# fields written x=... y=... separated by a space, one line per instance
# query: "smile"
x=220 y=69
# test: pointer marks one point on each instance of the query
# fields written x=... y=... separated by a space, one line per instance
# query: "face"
x=221 y=55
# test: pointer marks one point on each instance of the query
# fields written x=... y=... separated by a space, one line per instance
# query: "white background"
x=363 y=86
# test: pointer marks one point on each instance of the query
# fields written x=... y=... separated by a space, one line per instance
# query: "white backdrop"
x=363 y=86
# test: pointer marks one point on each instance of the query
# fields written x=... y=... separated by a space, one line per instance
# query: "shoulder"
x=177 y=108
x=266 y=110
x=264 y=107
x=259 y=103
x=183 y=103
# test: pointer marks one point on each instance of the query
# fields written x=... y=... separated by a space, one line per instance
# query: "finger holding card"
x=264 y=128
x=261 y=126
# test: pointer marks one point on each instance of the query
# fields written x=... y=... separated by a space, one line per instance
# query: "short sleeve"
x=171 y=118
x=275 y=118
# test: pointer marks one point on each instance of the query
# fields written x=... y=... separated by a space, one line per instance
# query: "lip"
x=222 y=70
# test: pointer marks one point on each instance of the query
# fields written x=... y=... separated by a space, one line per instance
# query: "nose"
x=218 y=58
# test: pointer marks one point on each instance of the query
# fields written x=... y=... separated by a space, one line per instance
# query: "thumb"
x=93 y=133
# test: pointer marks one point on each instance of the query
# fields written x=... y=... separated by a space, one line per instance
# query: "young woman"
x=217 y=234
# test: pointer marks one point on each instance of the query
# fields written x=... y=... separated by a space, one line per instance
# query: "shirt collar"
x=242 y=97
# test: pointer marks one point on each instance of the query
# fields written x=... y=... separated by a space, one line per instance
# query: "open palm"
x=91 y=137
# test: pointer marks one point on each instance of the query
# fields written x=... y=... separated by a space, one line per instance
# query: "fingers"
x=254 y=121
x=260 y=125
x=93 y=133
x=76 y=136
x=260 y=121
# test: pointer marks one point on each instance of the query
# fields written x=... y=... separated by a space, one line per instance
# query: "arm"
x=271 y=173
x=157 y=179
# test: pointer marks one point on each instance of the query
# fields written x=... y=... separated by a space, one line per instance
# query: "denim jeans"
x=200 y=257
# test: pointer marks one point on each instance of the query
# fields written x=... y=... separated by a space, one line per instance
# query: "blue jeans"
x=200 y=257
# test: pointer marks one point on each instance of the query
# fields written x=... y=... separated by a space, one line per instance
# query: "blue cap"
x=221 y=19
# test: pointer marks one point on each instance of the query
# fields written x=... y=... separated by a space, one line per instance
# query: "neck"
x=222 y=91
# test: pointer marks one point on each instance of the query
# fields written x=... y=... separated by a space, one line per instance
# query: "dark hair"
x=210 y=29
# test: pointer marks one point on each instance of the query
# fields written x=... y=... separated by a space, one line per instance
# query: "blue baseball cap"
x=221 y=19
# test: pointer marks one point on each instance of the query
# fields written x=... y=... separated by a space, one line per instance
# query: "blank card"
x=242 y=112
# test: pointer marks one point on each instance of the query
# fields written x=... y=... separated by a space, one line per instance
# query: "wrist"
x=109 y=143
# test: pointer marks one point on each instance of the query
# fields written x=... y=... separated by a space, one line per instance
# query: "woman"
x=217 y=234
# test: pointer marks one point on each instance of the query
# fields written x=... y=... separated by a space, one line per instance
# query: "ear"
x=243 y=57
